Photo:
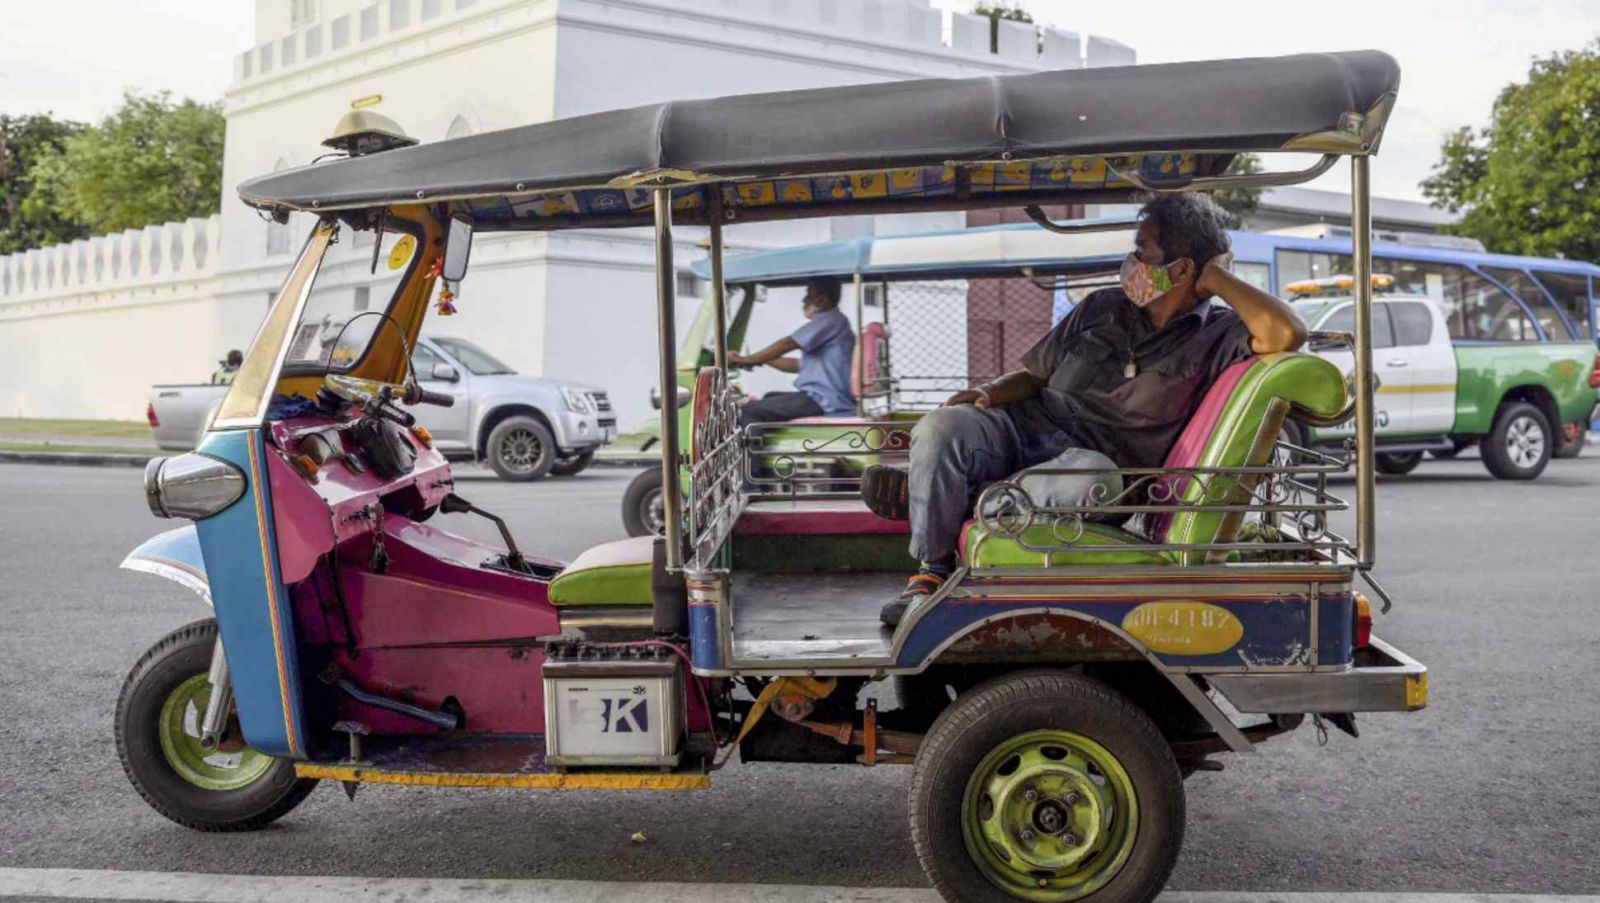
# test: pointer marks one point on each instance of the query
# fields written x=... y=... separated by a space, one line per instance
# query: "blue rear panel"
x=252 y=605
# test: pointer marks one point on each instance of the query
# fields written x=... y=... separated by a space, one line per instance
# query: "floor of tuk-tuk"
x=812 y=616
x=492 y=760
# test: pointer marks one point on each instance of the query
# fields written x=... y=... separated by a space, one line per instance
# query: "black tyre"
x=572 y=465
x=521 y=449
x=1519 y=444
x=1398 y=464
x=1046 y=785
x=231 y=788
x=1573 y=436
x=643 y=512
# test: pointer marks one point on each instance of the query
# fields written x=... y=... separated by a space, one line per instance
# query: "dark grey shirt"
x=1085 y=392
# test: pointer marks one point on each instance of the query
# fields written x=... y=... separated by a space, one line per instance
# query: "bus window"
x=1528 y=290
x=1256 y=274
x=1571 y=291
x=1299 y=266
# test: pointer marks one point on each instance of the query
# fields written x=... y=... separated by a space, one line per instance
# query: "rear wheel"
x=643 y=508
x=1046 y=786
x=1518 y=446
x=572 y=465
x=521 y=449
x=229 y=788
x=1397 y=464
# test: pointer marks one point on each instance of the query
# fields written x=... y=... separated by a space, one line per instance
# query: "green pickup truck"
x=1522 y=401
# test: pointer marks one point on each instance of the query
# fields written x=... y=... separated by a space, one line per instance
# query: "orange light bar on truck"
x=1343 y=283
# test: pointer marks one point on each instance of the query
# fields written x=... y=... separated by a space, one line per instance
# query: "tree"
x=152 y=161
x=1529 y=182
x=24 y=140
x=997 y=10
x=1239 y=203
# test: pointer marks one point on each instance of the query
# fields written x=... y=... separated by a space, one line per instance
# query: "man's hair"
x=1188 y=224
x=235 y=358
x=827 y=286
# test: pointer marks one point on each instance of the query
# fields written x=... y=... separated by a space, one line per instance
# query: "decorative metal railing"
x=1278 y=511
x=716 y=471
x=787 y=459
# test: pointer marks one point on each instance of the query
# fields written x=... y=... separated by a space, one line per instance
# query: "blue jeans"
x=955 y=453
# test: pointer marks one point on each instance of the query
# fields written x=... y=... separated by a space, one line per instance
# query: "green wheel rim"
x=179 y=731
x=1049 y=816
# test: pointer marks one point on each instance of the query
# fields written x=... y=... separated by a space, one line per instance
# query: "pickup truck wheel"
x=1573 y=438
x=1397 y=464
x=1519 y=445
x=643 y=512
x=521 y=449
x=572 y=465
x=1046 y=786
x=229 y=788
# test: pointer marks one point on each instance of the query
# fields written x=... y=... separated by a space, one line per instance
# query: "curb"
x=81 y=459
x=645 y=460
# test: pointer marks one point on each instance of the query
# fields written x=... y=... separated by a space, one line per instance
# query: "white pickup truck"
x=1512 y=395
x=522 y=426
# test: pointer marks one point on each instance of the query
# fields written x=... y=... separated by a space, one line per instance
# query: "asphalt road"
x=1494 y=788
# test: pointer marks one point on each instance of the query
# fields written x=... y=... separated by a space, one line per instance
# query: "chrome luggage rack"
x=820 y=465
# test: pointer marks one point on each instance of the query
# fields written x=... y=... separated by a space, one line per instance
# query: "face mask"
x=1144 y=282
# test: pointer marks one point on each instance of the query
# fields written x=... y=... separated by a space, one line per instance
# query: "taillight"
x=1361 y=632
x=1594 y=375
x=150 y=415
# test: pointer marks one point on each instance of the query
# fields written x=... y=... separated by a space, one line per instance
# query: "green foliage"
x=997 y=10
x=1529 y=183
x=153 y=161
x=1240 y=203
x=24 y=140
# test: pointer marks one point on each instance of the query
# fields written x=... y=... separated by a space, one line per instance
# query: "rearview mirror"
x=457 y=248
x=445 y=373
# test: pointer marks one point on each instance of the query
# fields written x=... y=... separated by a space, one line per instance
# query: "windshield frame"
x=386 y=316
x=449 y=344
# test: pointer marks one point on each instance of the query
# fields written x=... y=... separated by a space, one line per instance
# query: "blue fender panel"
x=254 y=614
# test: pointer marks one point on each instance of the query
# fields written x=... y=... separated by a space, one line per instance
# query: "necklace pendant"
x=1130 y=370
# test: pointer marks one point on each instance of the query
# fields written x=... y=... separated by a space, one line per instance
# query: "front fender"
x=176 y=556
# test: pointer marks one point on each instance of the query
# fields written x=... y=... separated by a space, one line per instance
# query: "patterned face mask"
x=1144 y=282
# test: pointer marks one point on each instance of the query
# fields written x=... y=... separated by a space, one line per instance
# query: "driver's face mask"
x=1144 y=282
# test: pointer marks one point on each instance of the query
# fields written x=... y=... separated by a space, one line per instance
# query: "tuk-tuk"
x=1050 y=698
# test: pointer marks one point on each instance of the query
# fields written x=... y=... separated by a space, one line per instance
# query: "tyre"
x=1397 y=464
x=521 y=449
x=1046 y=786
x=1519 y=444
x=230 y=788
x=643 y=511
x=572 y=465
x=1572 y=439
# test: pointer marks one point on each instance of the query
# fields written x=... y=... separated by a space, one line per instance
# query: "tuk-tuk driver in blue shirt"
x=826 y=344
x=1119 y=376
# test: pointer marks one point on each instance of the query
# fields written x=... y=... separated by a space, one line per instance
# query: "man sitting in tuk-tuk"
x=1121 y=375
x=826 y=343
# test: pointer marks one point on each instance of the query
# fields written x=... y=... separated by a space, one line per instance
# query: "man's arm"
x=1273 y=324
x=769 y=355
x=1017 y=385
x=786 y=364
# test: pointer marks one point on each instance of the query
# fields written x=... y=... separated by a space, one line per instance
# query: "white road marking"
x=189 y=887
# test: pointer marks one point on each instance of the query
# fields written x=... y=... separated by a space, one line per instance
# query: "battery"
x=613 y=711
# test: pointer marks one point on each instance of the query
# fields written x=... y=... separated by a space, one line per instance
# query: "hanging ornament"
x=445 y=304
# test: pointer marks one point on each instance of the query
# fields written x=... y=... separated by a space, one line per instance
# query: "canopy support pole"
x=667 y=339
x=719 y=301
x=1361 y=240
x=861 y=349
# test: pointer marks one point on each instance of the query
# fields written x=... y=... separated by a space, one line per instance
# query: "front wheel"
x=1518 y=446
x=521 y=449
x=1046 y=786
x=643 y=508
x=230 y=788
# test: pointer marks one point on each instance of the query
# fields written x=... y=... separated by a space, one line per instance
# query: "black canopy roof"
x=911 y=144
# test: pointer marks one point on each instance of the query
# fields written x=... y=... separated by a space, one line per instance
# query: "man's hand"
x=968 y=396
x=739 y=360
x=1211 y=279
